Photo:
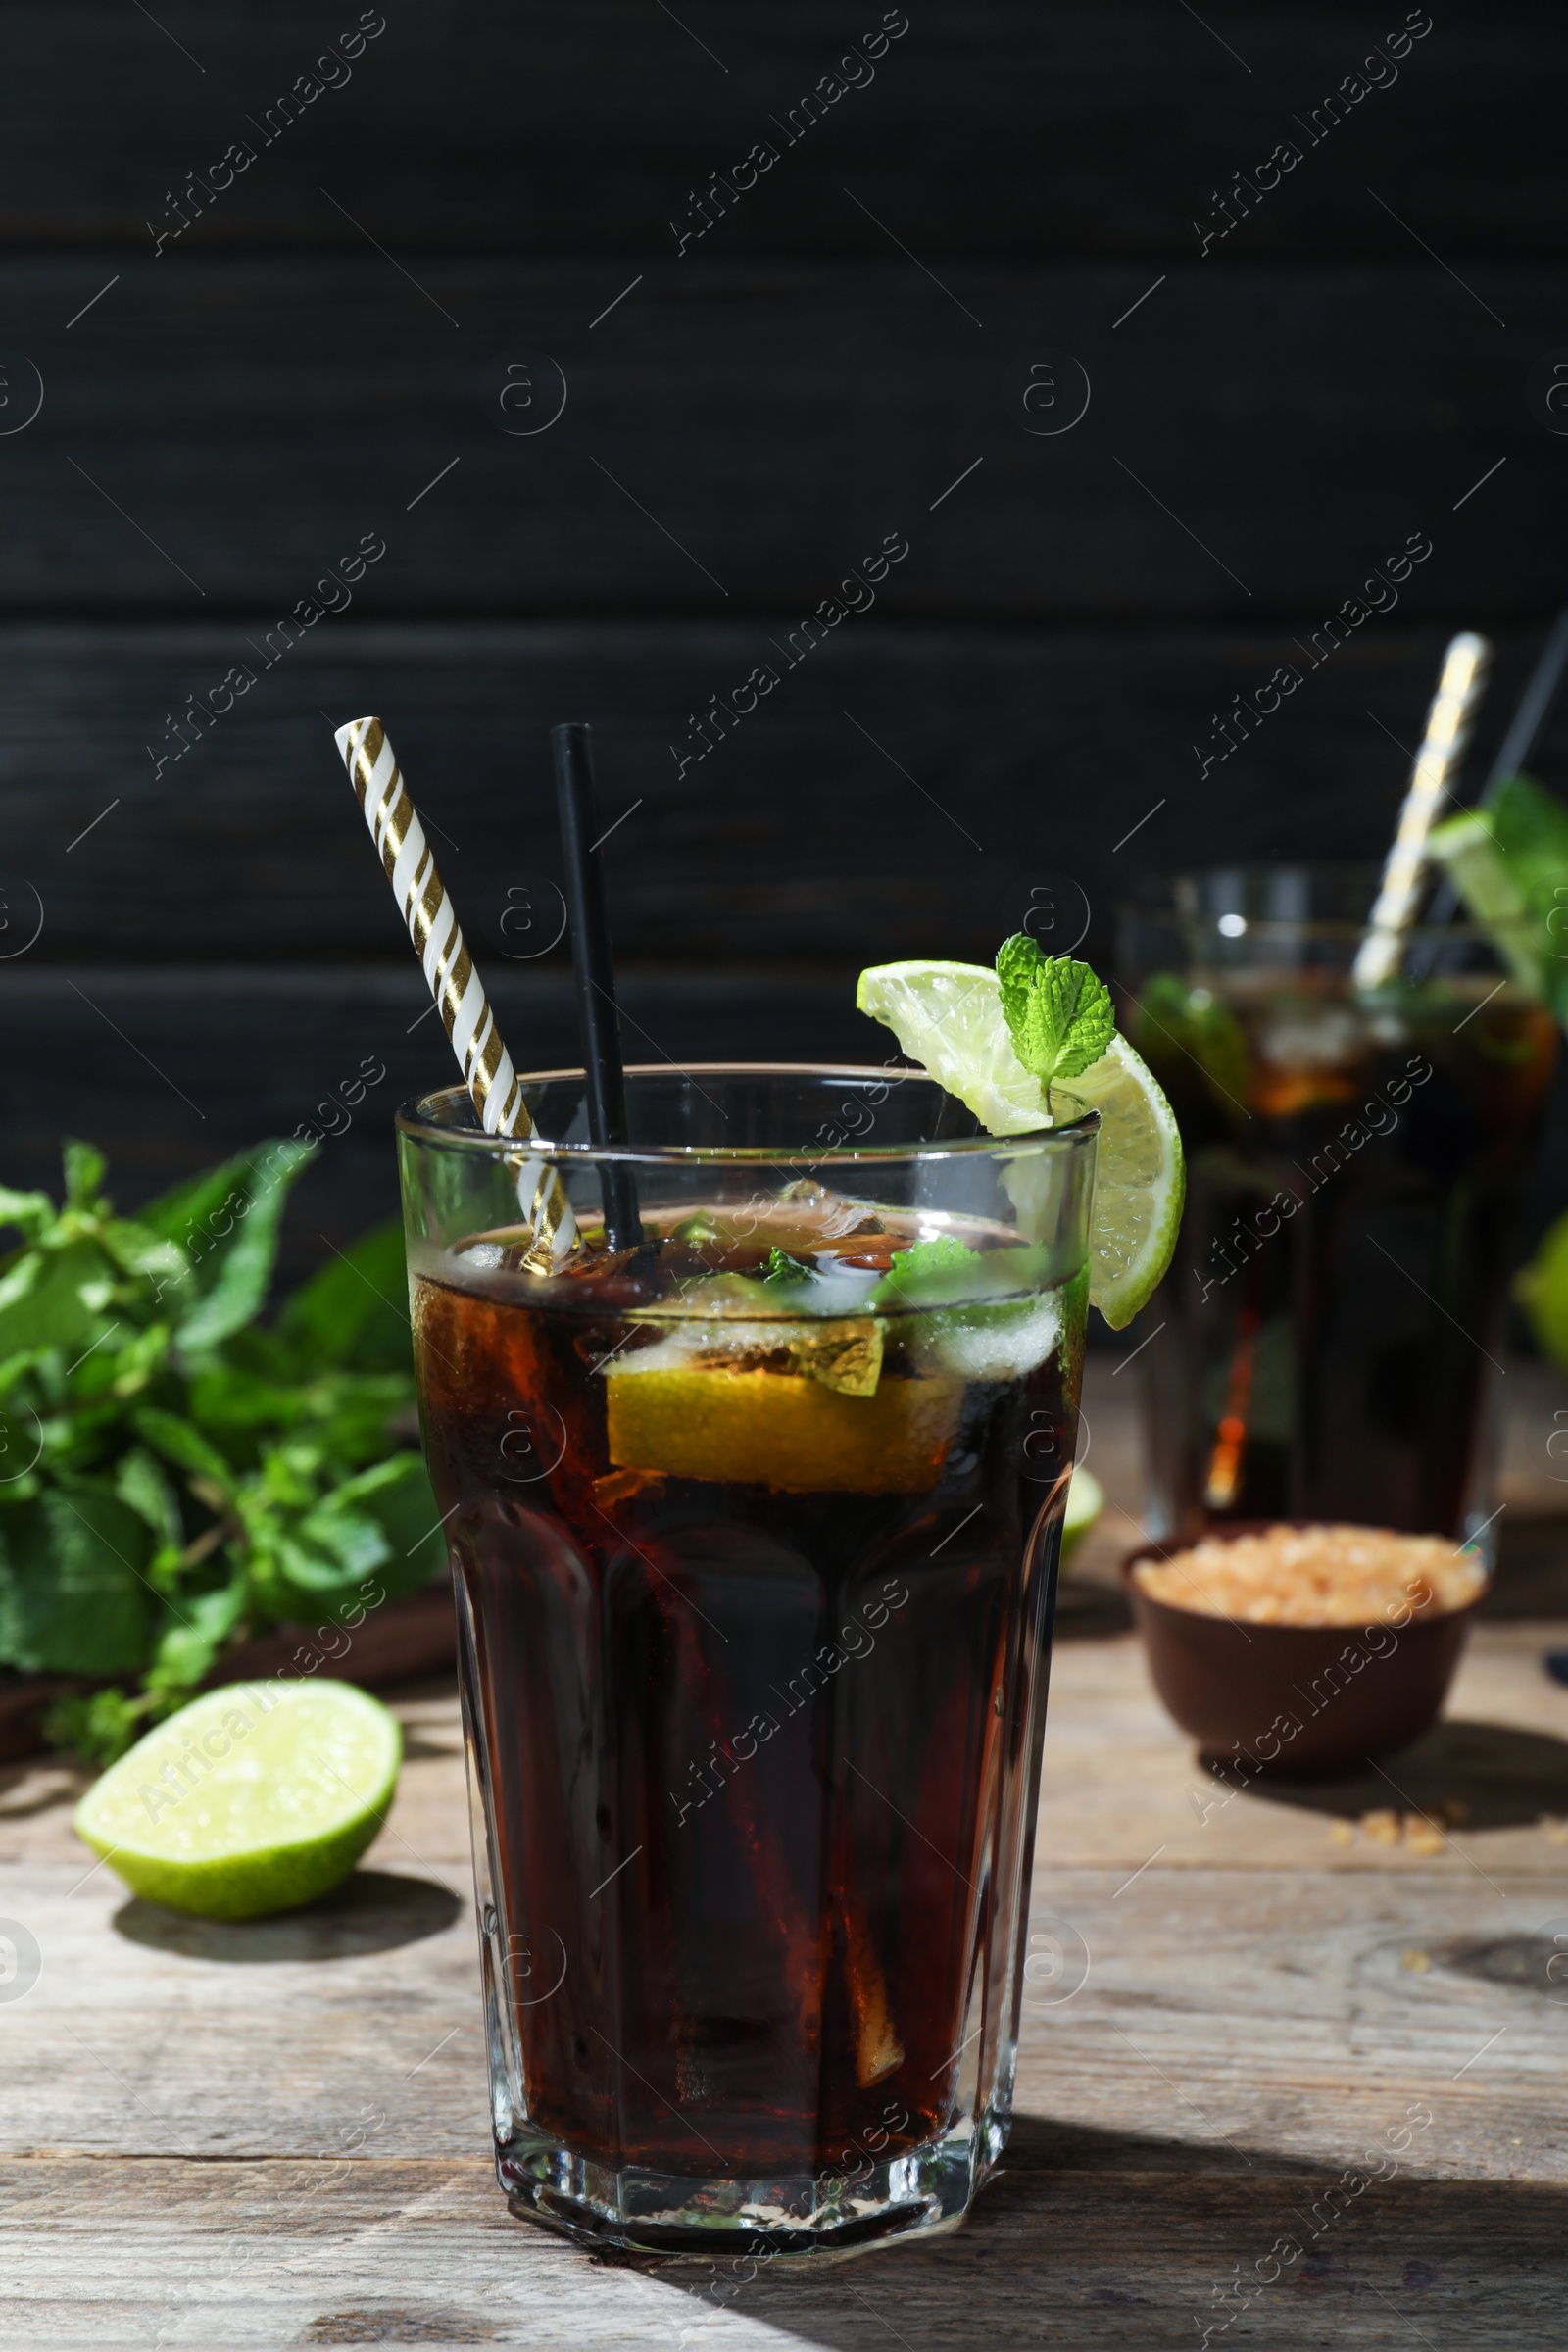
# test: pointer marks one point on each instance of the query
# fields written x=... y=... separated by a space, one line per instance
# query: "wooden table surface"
x=276 y=2134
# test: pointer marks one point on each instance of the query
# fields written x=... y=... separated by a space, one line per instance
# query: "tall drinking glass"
x=754 y=1529
x=1330 y=1334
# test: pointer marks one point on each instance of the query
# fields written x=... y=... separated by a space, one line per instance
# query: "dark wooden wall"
x=224 y=418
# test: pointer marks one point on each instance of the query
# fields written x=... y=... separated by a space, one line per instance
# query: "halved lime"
x=253 y=1798
x=948 y=1016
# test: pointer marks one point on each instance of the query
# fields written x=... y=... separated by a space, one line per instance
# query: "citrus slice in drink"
x=949 y=1017
x=253 y=1798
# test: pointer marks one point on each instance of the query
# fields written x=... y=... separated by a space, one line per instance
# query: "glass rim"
x=1158 y=901
x=1328 y=926
x=413 y=1120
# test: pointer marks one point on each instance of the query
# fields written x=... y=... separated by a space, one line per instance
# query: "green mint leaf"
x=1058 y=1012
x=383 y=1521
x=186 y=1650
x=72 y=1599
x=1018 y=961
x=143 y=1485
x=1094 y=1025
x=783 y=1272
x=99 y=1728
x=31 y=1213
x=934 y=1270
x=227 y=1223
x=179 y=1442
x=84 y=1174
x=355 y=1311
x=55 y=1298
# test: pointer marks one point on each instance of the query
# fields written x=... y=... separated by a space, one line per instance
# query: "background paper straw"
x=1465 y=666
x=450 y=975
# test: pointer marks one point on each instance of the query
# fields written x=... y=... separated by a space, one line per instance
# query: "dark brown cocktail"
x=754 y=1535
x=1333 y=1315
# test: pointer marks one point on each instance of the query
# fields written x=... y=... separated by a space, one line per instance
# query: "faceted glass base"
x=926 y=2189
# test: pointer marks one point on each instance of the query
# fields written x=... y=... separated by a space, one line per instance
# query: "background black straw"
x=593 y=968
x=470 y=303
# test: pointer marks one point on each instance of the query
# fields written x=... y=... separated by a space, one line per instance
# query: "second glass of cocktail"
x=754 y=1529
x=1328 y=1342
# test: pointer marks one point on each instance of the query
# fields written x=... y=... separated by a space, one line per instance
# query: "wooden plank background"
x=1271 y=1990
x=196 y=940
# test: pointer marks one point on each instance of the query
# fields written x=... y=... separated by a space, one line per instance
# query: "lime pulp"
x=253 y=1798
x=949 y=1017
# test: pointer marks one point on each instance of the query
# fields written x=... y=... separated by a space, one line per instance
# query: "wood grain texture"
x=223 y=419
x=1255 y=2002
x=745 y=894
x=735 y=440
x=173 y=1068
x=183 y=1066
x=275 y=2134
x=421 y=2251
x=1094 y=129
x=1248 y=1958
x=903 y=790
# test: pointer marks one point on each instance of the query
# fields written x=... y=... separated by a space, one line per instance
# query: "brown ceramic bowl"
x=1294 y=1700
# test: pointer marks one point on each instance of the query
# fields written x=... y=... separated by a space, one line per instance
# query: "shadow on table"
x=418 y=1746
x=1110 y=2241
x=1477 y=1776
x=1088 y=1608
x=371 y=1911
x=37 y=1786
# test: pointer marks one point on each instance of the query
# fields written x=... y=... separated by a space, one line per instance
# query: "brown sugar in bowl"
x=1295 y=1699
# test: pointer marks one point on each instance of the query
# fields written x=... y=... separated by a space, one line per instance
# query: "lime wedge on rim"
x=1468 y=850
x=1140 y=1181
x=253 y=1798
x=949 y=1017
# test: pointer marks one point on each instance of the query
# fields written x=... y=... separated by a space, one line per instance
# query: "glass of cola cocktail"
x=1328 y=1337
x=753 y=1527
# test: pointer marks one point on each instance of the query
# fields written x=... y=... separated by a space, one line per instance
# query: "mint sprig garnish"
x=1058 y=1013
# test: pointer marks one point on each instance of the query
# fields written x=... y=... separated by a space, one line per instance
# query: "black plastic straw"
x=1535 y=708
x=597 y=1016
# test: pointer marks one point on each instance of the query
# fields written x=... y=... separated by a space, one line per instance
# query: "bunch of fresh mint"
x=175 y=1476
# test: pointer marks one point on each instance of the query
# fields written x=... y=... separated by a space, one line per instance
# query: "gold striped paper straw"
x=451 y=979
x=1452 y=715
